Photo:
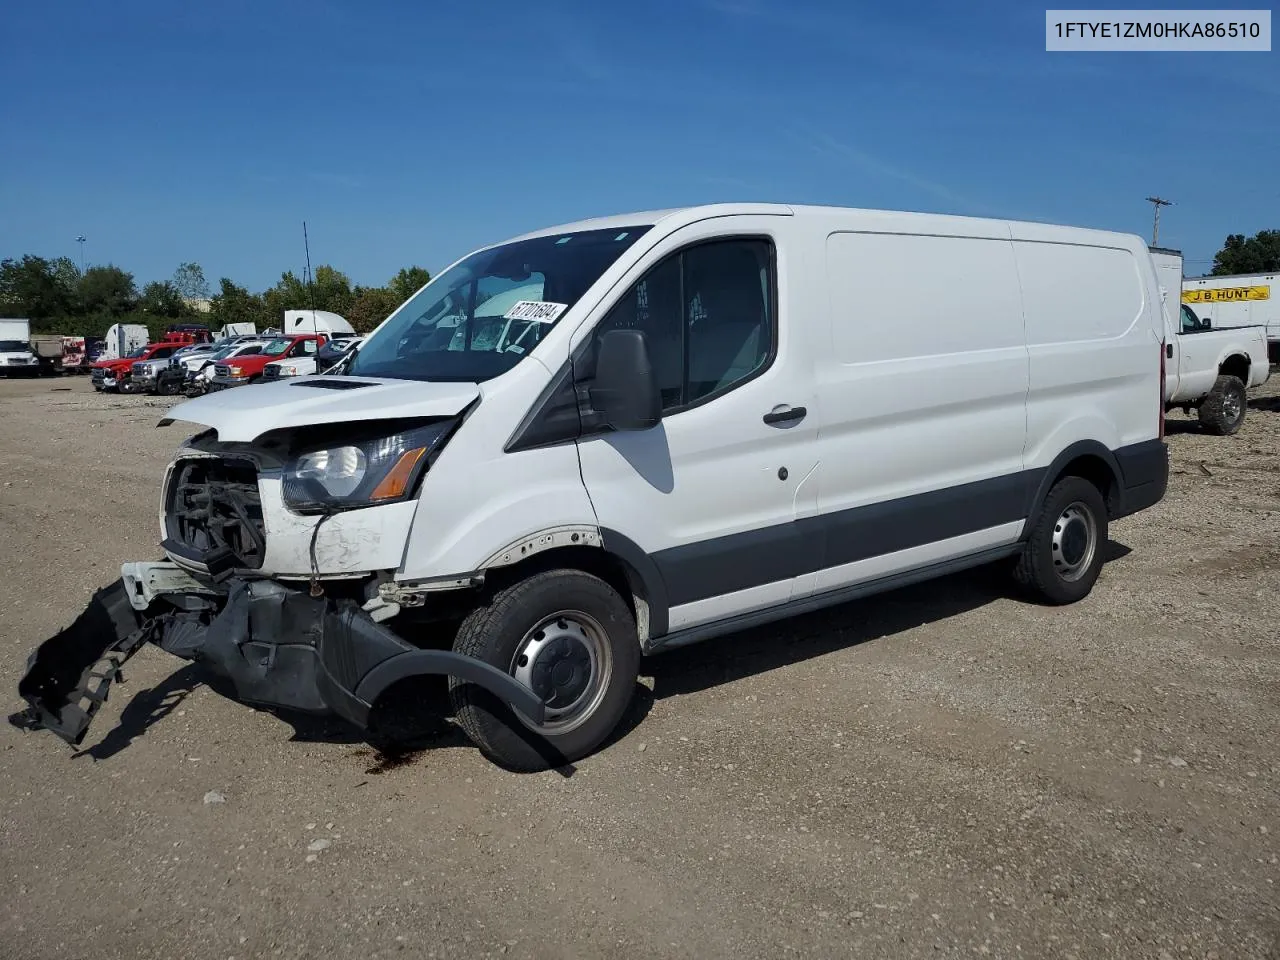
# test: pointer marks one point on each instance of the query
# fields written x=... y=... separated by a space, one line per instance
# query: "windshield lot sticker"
x=538 y=311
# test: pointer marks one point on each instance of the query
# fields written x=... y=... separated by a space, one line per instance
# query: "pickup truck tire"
x=1222 y=411
x=571 y=638
x=1062 y=556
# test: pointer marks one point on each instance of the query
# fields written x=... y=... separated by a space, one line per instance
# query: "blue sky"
x=410 y=132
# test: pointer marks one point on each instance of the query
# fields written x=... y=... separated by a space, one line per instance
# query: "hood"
x=242 y=414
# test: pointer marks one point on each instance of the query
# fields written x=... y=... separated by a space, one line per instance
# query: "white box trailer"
x=122 y=339
x=1238 y=300
x=315 y=321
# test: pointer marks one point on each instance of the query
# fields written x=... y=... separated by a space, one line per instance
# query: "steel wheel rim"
x=565 y=659
x=1075 y=542
x=1231 y=405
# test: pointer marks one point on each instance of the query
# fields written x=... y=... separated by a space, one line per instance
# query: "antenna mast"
x=311 y=290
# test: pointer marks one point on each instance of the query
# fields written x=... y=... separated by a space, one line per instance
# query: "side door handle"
x=1168 y=350
x=785 y=414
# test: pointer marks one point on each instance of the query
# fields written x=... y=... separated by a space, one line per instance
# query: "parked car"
x=249 y=368
x=200 y=370
x=302 y=366
x=118 y=375
x=1207 y=370
x=696 y=421
x=169 y=377
x=333 y=351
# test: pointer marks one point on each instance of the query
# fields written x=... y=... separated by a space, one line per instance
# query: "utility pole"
x=1155 y=228
x=80 y=240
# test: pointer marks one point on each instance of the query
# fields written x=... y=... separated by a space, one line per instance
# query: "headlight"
x=235 y=371
x=289 y=371
x=364 y=473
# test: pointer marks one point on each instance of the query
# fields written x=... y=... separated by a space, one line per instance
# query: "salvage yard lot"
x=943 y=770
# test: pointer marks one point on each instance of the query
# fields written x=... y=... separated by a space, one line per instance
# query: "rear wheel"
x=569 y=637
x=1222 y=411
x=1062 y=558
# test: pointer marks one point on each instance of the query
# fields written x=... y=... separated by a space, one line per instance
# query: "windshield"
x=223 y=352
x=135 y=353
x=14 y=346
x=276 y=347
x=481 y=316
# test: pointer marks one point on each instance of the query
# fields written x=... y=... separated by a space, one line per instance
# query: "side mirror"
x=625 y=390
x=1206 y=324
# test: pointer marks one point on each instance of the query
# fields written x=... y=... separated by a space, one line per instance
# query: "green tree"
x=190 y=283
x=370 y=306
x=107 y=291
x=235 y=304
x=331 y=290
x=1257 y=254
x=161 y=299
x=408 y=282
x=38 y=289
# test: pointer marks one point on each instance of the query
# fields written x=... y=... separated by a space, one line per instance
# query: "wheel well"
x=1235 y=366
x=1098 y=472
x=610 y=568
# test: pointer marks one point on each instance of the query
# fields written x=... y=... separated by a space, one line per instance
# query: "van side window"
x=728 y=329
x=706 y=313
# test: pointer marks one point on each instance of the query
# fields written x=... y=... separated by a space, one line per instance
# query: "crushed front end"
x=235 y=595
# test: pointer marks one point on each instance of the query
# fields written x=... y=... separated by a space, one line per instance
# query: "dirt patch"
x=943 y=771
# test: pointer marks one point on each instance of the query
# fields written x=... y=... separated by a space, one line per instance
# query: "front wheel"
x=1222 y=411
x=1062 y=557
x=570 y=638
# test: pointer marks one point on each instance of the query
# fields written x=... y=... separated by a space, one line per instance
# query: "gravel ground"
x=941 y=771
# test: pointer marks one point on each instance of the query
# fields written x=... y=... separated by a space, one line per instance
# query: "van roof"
x=685 y=215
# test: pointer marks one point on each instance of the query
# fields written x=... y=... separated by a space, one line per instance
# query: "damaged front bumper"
x=278 y=645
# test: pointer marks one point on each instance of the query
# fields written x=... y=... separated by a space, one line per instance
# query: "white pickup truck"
x=1207 y=370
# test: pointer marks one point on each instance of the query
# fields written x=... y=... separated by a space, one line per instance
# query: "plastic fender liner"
x=360 y=659
x=420 y=662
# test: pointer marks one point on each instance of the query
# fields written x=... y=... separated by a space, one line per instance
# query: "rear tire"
x=1222 y=411
x=571 y=638
x=1062 y=558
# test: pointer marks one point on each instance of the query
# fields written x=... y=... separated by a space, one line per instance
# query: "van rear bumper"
x=278 y=645
x=1144 y=476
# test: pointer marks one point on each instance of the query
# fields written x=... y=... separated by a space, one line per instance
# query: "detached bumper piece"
x=69 y=674
x=279 y=647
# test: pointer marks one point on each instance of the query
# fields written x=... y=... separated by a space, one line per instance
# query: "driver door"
x=712 y=492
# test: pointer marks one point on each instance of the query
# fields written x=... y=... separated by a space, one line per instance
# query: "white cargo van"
x=688 y=423
x=1239 y=300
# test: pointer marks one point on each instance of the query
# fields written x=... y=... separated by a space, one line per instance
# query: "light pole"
x=1155 y=227
x=80 y=240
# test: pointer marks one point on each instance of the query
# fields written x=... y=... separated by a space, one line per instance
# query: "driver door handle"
x=785 y=414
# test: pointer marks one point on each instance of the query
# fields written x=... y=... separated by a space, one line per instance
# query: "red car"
x=247 y=368
x=115 y=374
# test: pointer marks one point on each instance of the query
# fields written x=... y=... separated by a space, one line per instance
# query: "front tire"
x=571 y=638
x=1222 y=411
x=1062 y=558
